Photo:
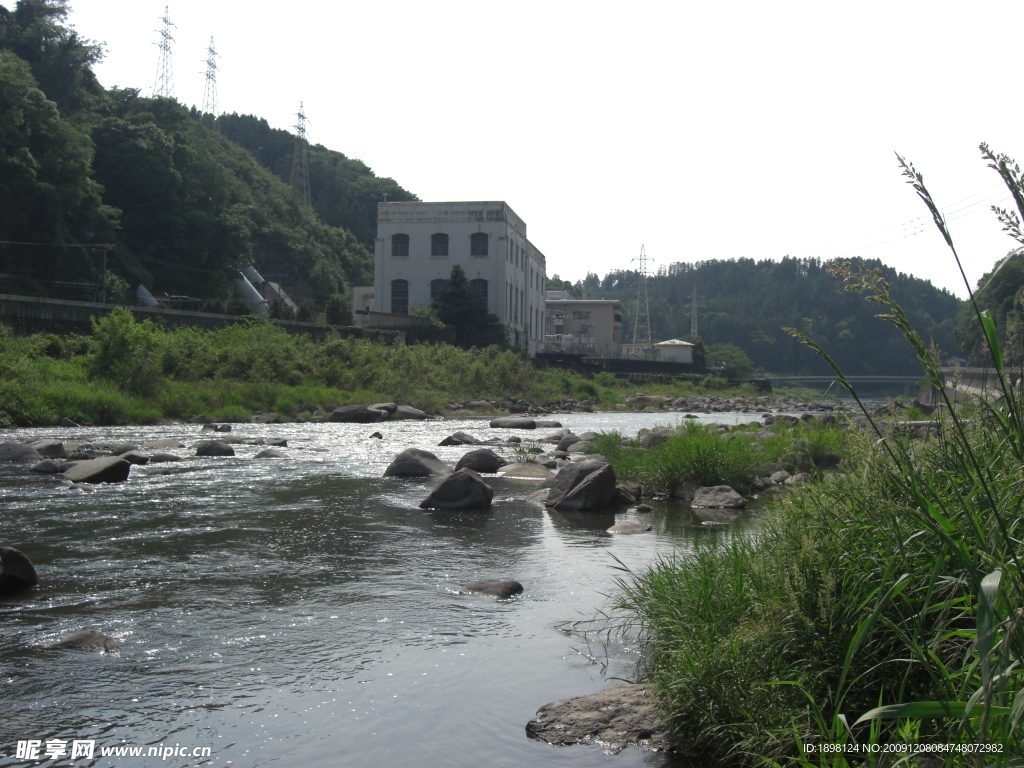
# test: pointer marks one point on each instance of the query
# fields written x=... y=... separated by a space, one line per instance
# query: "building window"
x=439 y=245
x=478 y=244
x=399 y=245
x=436 y=286
x=618 y=318
x=480 y=285
x=578 y=314
x=400 y=297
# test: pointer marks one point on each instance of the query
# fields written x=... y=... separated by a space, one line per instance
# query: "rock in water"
x=500 y=588
x=481 y=460
x=51 y=449
x=48 y=466
x=616 y=717
x=629 y=526
x=106 y=469
x=412 y=462
x=356 y=414
x=16 y=571
x=513 y=422
x=408 y=412
x=157 y=458
x=214 y=448
x=461 y=491
x=584 y=486
x=718 y=497
x=88 y=640
x=459 y=438
x=19 y=452
x=163 y=444
x=271 y=453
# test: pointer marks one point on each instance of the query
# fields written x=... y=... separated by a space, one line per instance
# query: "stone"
x=271 y=453
x=19 y=452
x=89 y=640
x=481 y=460
x=412 y=462
x=66 y=422
x=567 y=442
x=16 y=571
x=717 y=496
x=268 y=418
x=134 y=457
x=159 y=458
x=163 y=444
x=200 y=419
x=685 y=491
x=627 y=527
x=480 y=405
x=408 y=412
x=377 y=436
x=222 y=428
x=500 y=588
x=459 y=438
x=514 y=439
x=461 y=491
x=647 y=400
x=577 y=487
x=276 y=442
x=356 y=414
x=616 y=717
x=117 y=450
x=388 y=408
x=47 y=466
x=644 y=508
x=799 y=477
x=547 y=424
x=581 y=446
x=622 y=496
x=214 y=448
x=652 y=437
x=107 y=469
x=51 y=449
x=513 y=422
x=780 y=477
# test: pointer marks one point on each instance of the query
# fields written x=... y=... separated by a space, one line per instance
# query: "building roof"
x=674 y=343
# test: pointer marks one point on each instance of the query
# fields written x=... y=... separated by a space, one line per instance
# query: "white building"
x=418 y=244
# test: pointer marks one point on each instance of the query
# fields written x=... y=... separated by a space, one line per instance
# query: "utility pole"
x=164 y=85
x=693 y=312
x=210 y=89
x=642 y=323
x=300 y=171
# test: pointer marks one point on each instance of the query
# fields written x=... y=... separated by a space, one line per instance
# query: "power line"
x=300 y=169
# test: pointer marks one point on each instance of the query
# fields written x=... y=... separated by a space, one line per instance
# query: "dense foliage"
x=183 y=204
x=746 y=303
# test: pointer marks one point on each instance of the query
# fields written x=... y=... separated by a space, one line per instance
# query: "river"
x=304 y=611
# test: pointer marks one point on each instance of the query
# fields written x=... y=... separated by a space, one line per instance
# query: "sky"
x=698 y=130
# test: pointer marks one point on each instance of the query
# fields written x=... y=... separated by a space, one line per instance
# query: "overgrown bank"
x=130 y=372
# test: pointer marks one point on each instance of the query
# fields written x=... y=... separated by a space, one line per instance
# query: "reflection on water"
x=305 y=610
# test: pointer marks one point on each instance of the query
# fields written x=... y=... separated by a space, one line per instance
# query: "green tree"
x=734 y=361
x=338 y=311
x=461 y=307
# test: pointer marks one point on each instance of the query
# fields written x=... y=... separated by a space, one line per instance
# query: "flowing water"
x=304 y=611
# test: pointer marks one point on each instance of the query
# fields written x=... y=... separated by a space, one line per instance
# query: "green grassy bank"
x=130 y=372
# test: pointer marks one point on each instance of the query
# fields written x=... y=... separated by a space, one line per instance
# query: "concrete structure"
x=582 y=326
x=418 y=244
x=671 y=351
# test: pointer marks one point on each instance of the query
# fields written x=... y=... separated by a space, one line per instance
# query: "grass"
x=884 y=607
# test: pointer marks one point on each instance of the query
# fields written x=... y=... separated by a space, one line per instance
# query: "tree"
x=462 y=307
x=734 y=361
x=338 y=310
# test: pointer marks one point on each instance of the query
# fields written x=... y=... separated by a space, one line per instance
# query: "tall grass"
x=882 y=608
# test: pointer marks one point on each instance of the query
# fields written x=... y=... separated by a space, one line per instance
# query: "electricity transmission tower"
x=642 y=324
x=210 y=90
x=693 y=312
x=164 y=85
x=300 y=171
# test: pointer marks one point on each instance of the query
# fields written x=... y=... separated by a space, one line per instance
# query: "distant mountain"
x=746 y=303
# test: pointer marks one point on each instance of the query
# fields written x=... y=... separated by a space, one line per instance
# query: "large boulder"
x=412 y=462
x=513 y=422
x=459 y=438
x=356 y=414
x=51 y=449
x=582 y=486
x=106 y=469
x=408 y=412
x=500 y=588
x=214 y=448
x=16 y=571
x=271 y=453
x=47 y=466
x=718 y=497
x=652 y=437
x=388 y=408
x=89 y=640
x=567 y=442
x=158 y=458
x=616 y=717
x=19 y=452
x=461 y=491
x=135 y=457
x=481 y=460
x=123 y=448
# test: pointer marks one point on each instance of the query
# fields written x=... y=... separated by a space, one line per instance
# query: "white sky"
x=699 y=129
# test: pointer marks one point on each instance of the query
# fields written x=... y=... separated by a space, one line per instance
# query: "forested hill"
x=184 y=203
x=746 y=303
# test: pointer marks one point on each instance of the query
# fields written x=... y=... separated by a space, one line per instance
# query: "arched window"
x=478 y=244
x=439 y=245
x=436 y=286
x=399 y=245
x=480 y=285
x=400 y=297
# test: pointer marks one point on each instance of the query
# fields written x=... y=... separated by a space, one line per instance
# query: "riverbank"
x=131 y=372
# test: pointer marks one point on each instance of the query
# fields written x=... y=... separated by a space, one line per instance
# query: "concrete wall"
x=30 y=314
x=593 y=320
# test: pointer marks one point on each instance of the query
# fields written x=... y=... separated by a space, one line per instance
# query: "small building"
x=418 y=244
x=582 y=326
x=671 y=351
